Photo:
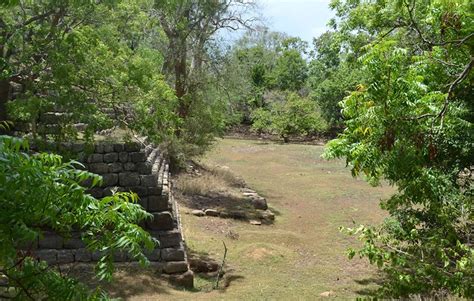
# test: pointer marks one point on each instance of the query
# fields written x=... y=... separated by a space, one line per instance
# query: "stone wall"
x=143 y=170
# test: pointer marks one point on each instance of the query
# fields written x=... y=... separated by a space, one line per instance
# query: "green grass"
x=302 y=254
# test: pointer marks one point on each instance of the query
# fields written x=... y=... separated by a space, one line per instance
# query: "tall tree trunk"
x=4 y=93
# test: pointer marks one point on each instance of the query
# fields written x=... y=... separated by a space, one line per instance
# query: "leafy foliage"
x=409 y=122
x=40 y=191
x=293 y=116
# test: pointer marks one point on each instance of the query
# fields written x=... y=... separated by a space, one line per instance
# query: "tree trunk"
x=4 y=93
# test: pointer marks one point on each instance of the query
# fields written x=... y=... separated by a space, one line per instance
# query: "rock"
x=157 y=203
x=123 y=157
x=99 y=168
x=138 y=157
x=110 y=157
x=237 y=214
x=129 y=179
x=129 y=166
x=247 y=190
x=132 y=147
x=148 y=180
x=250 y=194
x=256 y=223
x=259 y=203
x=224 y=214
x=185 y=280
x=174 y=267
x=51 y=240
x=95 y=158
x=154 y=255
x=65 y=256
x=267 y=216
x=198 y=213
x=328 y=294
x=202 y=266
x=50 y=256
x=110 y=179
x=115 y=167
x=172 y=254
x=83 y=255
x=160 y=221
x=170 y=239
x=211 y=212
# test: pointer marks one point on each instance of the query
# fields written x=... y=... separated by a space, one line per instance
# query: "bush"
x=294 y=116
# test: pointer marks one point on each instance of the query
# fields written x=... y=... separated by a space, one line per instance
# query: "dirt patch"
x=259 y=253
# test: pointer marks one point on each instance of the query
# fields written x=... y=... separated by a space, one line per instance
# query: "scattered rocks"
x=211 y=212
x=198 y=213
x=259 y=203
x=267 y=216
x=328 y=294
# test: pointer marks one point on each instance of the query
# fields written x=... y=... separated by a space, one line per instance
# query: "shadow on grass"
x=130 y=280
x=372 y=288
x=207 y=269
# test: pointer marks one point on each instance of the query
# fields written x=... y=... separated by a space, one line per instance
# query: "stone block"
x=119 y=147
x=161 y=221
x=96 y=255
x=132 y=146
x=157 y=203
x=174 y=267
x=95 y=158
x=170 y=239
x=83 y=255
x=154 y=255
x=99 y=168
x=110 y=157
x=74 y=243
x=99 y=148
x=115 y=167
x=65 y=256
x=172 y=254
x=129 y=166
x=96 y=192
x=211 y=212
x=110 y=179
x=120 y=256
x=185 y=279
x=154 y=190
x=140 y=190
x=50 y=256
x=50 y=240
x=129 y=179
x=123 y=157
x=108 y=148
x=137 y=157
x=77 y=147
x=143 y=202
x=148 y=180
x=144 y=168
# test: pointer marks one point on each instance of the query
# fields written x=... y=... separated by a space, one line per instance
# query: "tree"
x=410 y=122
x=294 y=115
x=39 y=191
x=290 y=71
x=89 y=63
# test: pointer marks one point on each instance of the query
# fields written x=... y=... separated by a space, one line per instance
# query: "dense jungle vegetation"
x=393 y=78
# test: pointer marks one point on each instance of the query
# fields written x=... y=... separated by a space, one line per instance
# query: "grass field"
x=302 y=254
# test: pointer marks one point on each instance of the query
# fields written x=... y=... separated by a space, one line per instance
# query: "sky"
x=302 y=18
